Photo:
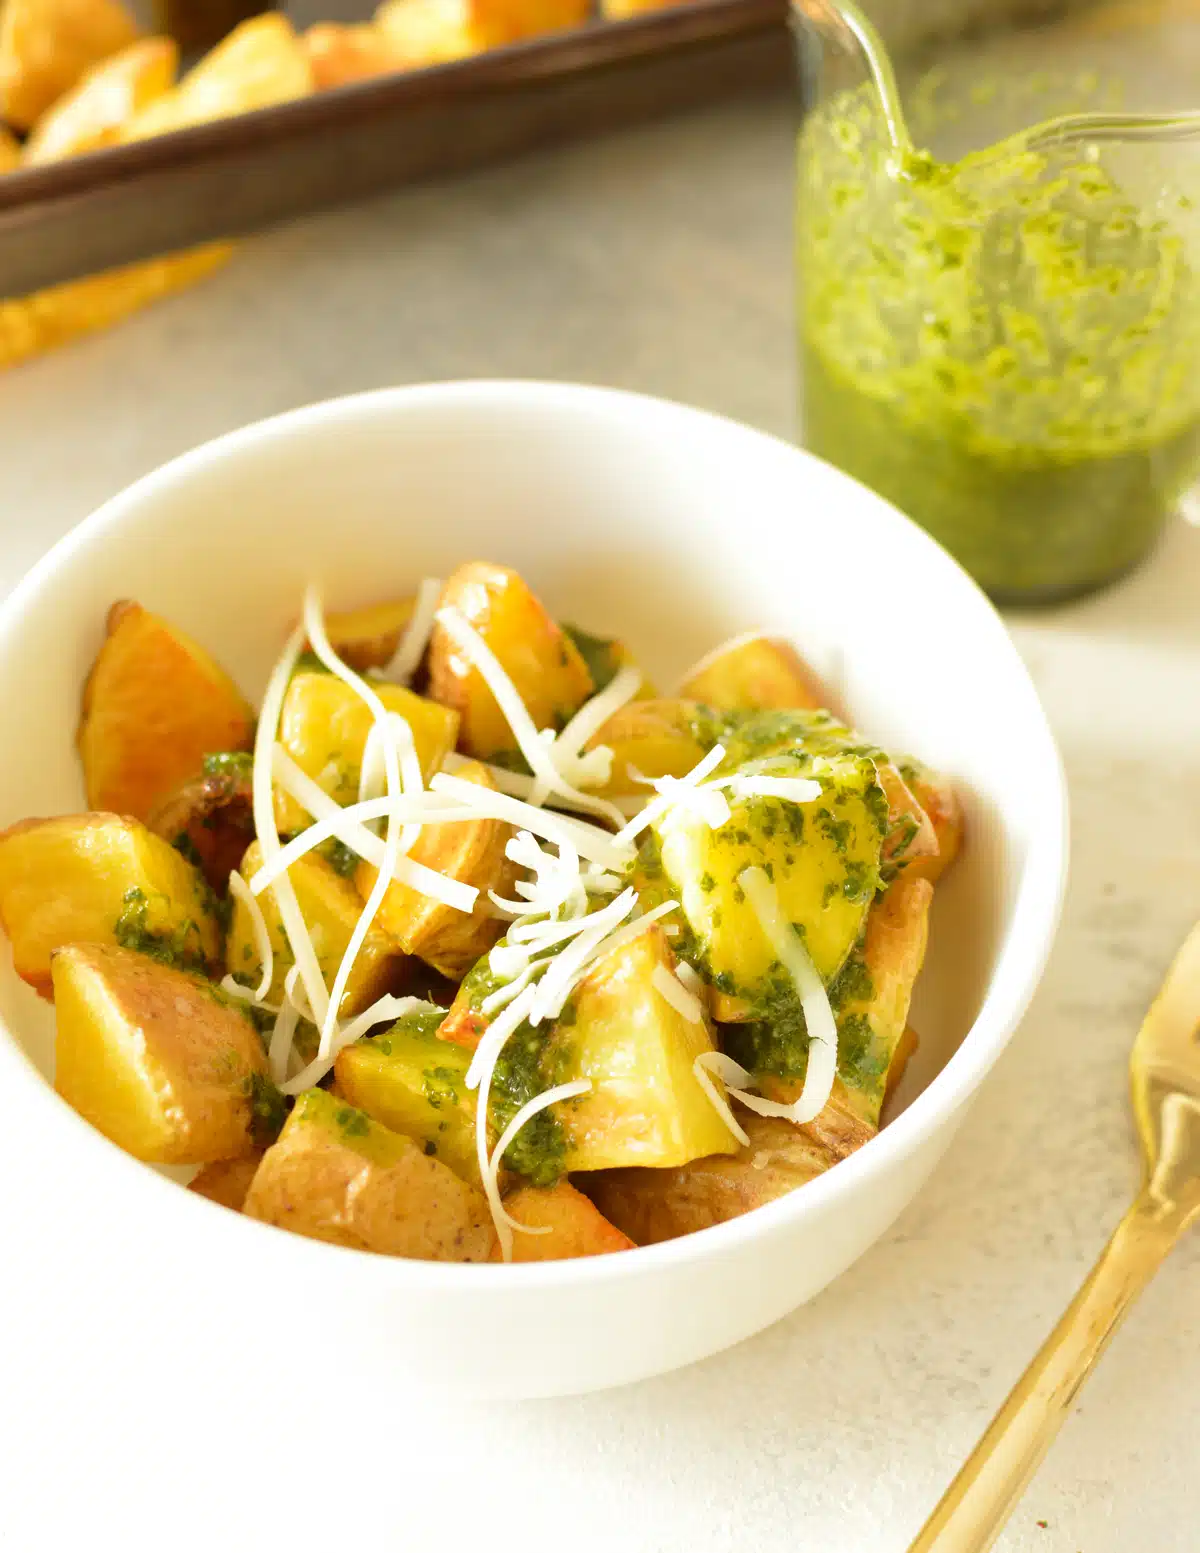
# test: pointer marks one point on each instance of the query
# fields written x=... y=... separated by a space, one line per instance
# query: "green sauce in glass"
x=1007 y=347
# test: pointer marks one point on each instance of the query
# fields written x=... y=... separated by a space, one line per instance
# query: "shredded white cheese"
x=283 y=1034
x=794 y=789
x=501 y=1217
x=597 y=845
x=672 y=790
x=814 y=1000
x=235 y=989
x=568 y=965
x=676 y=994
x=258 y=926
x=410 y=649
x=705 y=1065
x=384 y=1008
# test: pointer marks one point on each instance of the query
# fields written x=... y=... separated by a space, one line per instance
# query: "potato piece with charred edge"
x=96 y=110
x=331 y=907
x=336 y=1175
x=576 y=1225
x=227 y=1181
x=543 y=663
x=471 y=852
x=654 y=1205
x=46 y=45
x=211 y=817
x=935 y=793
x=154 y=704
x=651 y=738
x=102 y=879
x=324 y=726
x=755 y=673
x=156 y=1059
x=367 y=638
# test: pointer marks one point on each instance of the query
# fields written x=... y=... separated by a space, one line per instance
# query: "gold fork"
x=1164 y=1073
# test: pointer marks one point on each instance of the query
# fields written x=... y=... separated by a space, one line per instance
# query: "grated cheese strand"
x=386 y=1007
x=569 y=964
x=504 y=995
x=494 y=1037
x=794 y=789
x=244 y=994
x=597 y=845
x=676 y=994
x=410 y=649
x=294 y=926
x=536 y=750
x=479 y=1076
x=283 y=1034
x=666 y=797
x=705 y=1065
x=528 y=1111
x=240 y=891
x=814 y=1000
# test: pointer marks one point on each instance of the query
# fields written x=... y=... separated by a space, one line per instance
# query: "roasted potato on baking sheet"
x=576 y=1225
x=324 y=728
x=755 y=673
x=100 y=879
x=471 y=853
x=227 y=1181
x=96 y=110
x=336 y=1175
x=47 y=45
x=154 y=705
x=541 y=660
x=654 y=1205
x=330 y=906
x=211 y=817
x=340 y=54
x=157 y=1059
x=431 y=32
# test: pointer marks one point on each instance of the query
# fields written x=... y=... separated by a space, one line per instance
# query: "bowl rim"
x=1036 y=911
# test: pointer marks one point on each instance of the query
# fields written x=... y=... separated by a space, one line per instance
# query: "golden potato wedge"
x=47 y=45
x=543 y=663
x=227 y=1181
x=47 y=319
x=431 y=32
x=324 y=727
x=906 y=1049
x=157 y=1059
x=260 y=63
x=155 y=703
x=576 y=1225
x=340 y=54
x=367 y=638
x=471 y=853
x=210 y=819
x=100 y=879
x=336 y=1175
x=507 y=21
x=95 y=111
x=935 y=793
x=415 y=1083
x=10 y=150
x=330 y=906
x=654 y=1205
x=755 y=674
x=652 y=739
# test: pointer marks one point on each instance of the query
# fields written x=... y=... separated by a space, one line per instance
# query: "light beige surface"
x=660 y=261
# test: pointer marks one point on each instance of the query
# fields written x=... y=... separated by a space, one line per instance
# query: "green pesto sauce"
x=1005 y=346
x=269 y=1109
x=343 y=859
x=599 y=654
x=234 y=764
x=180 y=949
x=531 y=1061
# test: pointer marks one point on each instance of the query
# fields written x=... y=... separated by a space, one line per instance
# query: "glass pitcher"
x=999 y=307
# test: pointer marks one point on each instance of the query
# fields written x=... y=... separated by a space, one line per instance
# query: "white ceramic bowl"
x=673 y=529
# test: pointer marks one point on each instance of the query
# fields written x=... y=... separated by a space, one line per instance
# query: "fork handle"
x=981 y=1498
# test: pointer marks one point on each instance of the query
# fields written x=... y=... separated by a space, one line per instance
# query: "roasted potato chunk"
x=341 y=54
x=324 y=727
x=260 y=63
x=100 y=879
x=431 y=32
x=649 y=739
x=654 y=1205
x=576 y=1225
x=46 y=45
x=540 y=659
x=415 y=1083
x=96 y=110
x=911 y=837
x=331 y=907
x=154 y=704
x=211 y=818
x=336 y=1175
x=472 y=853
x=155 y=1058
x=755 y=673
x=507 y=21
x=227 y=1181
x=935 y=793
x=367 y=638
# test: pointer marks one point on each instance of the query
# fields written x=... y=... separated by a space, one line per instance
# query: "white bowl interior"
x=667 y=527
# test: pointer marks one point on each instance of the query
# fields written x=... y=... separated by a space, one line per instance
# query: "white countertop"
x=657 y=260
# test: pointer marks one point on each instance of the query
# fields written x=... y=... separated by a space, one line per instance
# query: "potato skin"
x=100 y=878
x=337 y=1176
x=364 y=638
x=154 y=1058
x=937 y=797
x=755 y=673
x=154 y=705
x=227 y=1181
x=576 y=1225
x=215 y=813
x=654 y=1205
x=541 y=660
